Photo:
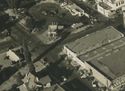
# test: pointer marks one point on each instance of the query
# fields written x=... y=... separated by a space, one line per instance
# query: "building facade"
x=109 y=7
x=100 y=60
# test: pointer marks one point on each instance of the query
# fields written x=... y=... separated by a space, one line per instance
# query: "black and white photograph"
x=62 y=45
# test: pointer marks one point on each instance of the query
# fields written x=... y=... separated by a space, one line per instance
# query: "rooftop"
x=45 y=80
x=6 y=43
x=39 y=66
x=54 y=88
x=104 y=5
x=105 y=59
x=116 y=1
x=94 y=40
x=4 y=62
x=74 y=6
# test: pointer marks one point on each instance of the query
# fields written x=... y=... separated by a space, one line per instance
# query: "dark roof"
x=45 y=80
x=54 y=88
x=94 y=40
x=105 y=6
x=109 y=59
x=115 y=1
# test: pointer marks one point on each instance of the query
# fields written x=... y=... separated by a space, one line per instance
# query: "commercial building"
x=92 y=41
x=107 y=64
x=109 y=7
x=102 y=54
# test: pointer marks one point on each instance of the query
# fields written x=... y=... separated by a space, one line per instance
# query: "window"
x=122 y=2
x=116 y=4
x=119 y=3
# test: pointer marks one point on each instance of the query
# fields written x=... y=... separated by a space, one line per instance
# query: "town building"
x=12 y=56
x=39 y=65
x=45 y=81
x=74 y=10
x=100 y=53
x=9 y=52
x=29 y=82
x=55 y=87
x=109 y=7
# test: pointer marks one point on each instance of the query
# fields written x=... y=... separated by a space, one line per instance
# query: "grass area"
x=49 y=12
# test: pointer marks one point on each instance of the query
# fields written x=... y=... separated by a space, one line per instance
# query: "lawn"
x=49 y=12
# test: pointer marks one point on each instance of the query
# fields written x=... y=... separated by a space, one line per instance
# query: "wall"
x=103 y=11
x=73 y=56
x=69 y=53
x=101 y=78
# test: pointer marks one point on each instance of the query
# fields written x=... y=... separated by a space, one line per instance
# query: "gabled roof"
x=115 y=1
x=54 y=88
x=39 y=66
x=108 y=60
x=105 y=6
x=12 y=56
x=45 y=80
x=94 y=40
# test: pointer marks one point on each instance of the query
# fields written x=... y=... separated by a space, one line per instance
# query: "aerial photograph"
x=62 y=45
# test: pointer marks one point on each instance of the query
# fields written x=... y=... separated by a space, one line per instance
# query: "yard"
x=52 y=12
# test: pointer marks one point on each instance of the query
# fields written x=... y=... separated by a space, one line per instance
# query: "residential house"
x=109 y=7
x=45 y=81
x=29 y=82
x=55 y=87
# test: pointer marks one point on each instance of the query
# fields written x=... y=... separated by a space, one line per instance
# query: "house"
x=4 y=62
x=55 y=87
x=29 y=82
x=100 y=54
x=45 y=81
x=12 y=56
x=109 y=7
x=40 y=65
x=74 y=9
x=15 y=54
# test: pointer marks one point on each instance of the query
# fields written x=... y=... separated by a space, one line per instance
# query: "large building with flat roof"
x=102 y=53
x=93 y=41
x=109 y=62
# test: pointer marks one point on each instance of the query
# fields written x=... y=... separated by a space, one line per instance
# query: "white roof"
x=12 y=56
